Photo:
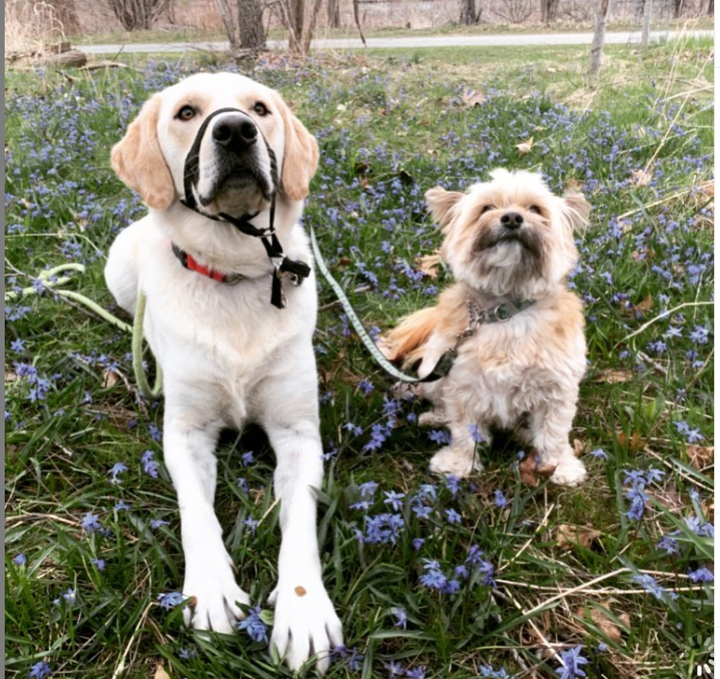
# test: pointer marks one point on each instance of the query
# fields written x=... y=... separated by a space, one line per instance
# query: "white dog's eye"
x=535 y=209
x=187 y=112
x=487 y=208
x=260 y=109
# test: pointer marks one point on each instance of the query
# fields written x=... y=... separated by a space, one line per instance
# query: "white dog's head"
x=239 y=157
x=509 y=236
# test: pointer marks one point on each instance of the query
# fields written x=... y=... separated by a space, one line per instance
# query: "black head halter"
x=283 y=267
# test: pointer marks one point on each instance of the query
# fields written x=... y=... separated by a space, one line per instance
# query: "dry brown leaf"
x=645 y=305
x=531 y=468
x=109 y=379
x=428 y=264
x=567 y=535
x=525 y=147
x=700 y=457
x=613 y=376
x=633 y=444
x=160 y=673
x=641 y=177
x=473 y=98
x=578 y=447
x=602 y=616
x=572 y=185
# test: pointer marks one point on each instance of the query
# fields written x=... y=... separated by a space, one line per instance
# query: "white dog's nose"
x=235 y=133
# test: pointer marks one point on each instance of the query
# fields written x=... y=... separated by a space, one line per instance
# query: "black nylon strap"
x=296 y=270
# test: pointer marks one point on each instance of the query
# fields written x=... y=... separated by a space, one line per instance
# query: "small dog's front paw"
x=433 y=418
x=454 y=462
x=569 y=472
x=214 y=596
x=305 y=624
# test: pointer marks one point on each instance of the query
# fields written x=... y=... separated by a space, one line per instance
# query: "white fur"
x=229 y=357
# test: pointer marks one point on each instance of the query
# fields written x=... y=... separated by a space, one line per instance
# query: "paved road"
x=408 y=42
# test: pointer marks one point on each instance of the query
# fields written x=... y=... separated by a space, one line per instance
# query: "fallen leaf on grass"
x=613 y=376
x=109 y=379
x=428 y=264
x=634 y=443
x=700 y=457
x=567 y=535
x=641 y=177
x=160 y=673
x=525 y=147
x=531 y=468
x=642 y=307
x=604 y=618
x=473 y=98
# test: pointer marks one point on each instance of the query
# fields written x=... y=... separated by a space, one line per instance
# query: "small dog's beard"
x=510 y=263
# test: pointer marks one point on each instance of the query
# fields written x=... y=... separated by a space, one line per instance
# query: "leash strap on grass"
x=354 y=319
x=46 y=278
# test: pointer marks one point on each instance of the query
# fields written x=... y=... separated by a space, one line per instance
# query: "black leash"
x=283 y=266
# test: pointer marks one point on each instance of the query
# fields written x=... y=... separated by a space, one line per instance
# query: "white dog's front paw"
x=214 y=595
x=451 y=461
x=305 y=624
x=569 y=472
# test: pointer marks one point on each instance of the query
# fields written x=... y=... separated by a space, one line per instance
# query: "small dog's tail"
x=406 y=341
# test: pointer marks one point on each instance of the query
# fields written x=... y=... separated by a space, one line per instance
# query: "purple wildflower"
x=169 y=600
x=254 y=626
x=149 y=464
x=571 y=661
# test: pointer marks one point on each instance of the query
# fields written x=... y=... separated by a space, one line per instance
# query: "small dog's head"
x=234 y=172
x=510 y=236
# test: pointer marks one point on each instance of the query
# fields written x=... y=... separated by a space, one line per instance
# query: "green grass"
x=390 y=126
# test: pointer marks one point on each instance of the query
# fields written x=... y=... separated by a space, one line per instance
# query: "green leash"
x=151 y=394
x=354 y=319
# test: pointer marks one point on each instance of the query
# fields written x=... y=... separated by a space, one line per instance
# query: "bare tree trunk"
x=548 y=10
x=250 y=27
x=309 y=27
x=295 y=10
x=333 y=13
x=677 y=8
x=225 y=12
x=647 y=12
x=601 y=17
x=469 y=16
x=711 y=7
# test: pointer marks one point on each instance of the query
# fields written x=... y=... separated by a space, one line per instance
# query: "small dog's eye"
x=260 y=109
x=187 y=112
x=535 y=209
x=487 y=208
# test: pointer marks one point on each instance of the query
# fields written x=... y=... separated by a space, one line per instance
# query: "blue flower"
x=99 y=564
x=20 y=560
x=599 y=453
x=400 y=618
x=395 y=669
x=417 y=543
x=701 y=575
x=433 y=578
x=394 y=499
x=256 y=629
x=251 y=523
x=40 y=670
x=247 y=458
x=368 y=489
x=148 y=464
x=669 y=544
x=490 y=673
x=243 y=484
x=416 y=672
x=115 y=471
x=91 y=523
x=17 y=345
x=169 y=600
x=571 y=661
x=500 y=499
x=156 y=523
x=453 y=516
x=650 y=585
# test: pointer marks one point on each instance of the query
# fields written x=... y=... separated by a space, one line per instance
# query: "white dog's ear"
x=576 y=210
x=441 y=204
x=139 y=162
x=300 y=159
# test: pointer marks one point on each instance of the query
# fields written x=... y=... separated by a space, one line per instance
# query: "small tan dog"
x=516 y=330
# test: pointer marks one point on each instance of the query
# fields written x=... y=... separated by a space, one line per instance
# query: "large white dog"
x=224 y=166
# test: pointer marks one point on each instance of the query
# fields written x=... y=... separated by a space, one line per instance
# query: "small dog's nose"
x=511 y=220
x=235 y=134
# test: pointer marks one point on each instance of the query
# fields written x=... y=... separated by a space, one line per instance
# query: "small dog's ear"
x=441 y=204
x=577 y=210
x=139 y=162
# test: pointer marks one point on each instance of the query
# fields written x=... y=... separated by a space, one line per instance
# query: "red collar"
x=190 y=263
